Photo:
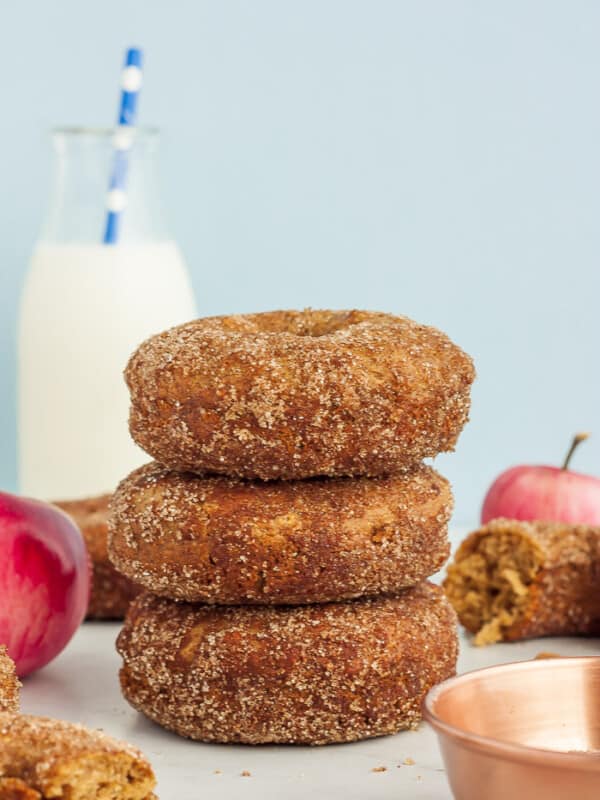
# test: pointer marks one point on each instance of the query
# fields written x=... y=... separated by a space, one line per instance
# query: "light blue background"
x=437 y=159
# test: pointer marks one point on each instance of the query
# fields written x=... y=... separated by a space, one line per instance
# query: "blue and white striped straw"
x=131 y=83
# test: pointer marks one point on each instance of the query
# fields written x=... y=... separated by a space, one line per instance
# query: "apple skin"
x=44 y=580
x=544 y=493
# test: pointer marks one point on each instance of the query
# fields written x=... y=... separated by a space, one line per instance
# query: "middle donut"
x=229 y=541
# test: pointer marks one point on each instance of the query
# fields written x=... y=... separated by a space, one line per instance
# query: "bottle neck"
x=84 y=162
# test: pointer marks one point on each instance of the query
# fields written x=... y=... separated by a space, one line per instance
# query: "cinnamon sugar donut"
x=315 y=674
x=228 y=541
x=111 y=592
x=513 y=580
x=293 y=394
x=9 y=683
x=42 y=758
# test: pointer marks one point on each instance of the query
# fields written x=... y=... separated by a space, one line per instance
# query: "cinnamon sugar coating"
x=16 y=789
x=294 y=394
x=9 y=683
x=514 y=580
x=47 y=758
x=111 y=591
x=229 y=541
x=302 y=674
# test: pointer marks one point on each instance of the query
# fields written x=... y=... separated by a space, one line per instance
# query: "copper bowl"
x=523 y=731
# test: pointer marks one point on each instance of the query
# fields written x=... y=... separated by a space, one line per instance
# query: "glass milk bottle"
x=85 y=307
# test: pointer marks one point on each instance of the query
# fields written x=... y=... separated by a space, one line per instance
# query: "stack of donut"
x=286 y=529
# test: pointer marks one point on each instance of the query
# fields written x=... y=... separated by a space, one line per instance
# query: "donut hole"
x=307 y=323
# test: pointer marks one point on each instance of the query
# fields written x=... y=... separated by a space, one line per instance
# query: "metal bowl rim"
x=502 y=748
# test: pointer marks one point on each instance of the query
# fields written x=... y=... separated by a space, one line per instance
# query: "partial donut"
x=228 y=541
x=514 y=580
x=294 y=394
x=111 y=592
x=43 y=758
x=9 y=683
x=303 y=675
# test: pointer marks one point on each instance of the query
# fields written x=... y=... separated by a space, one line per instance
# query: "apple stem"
x=577 y=439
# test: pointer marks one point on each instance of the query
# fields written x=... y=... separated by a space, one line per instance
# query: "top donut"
x=296 y=394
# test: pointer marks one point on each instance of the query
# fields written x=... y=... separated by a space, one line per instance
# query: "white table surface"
x=81 y=685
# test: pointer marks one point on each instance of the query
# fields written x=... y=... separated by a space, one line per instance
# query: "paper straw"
x=131 y=82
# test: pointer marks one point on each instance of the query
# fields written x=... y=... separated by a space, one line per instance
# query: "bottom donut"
x=315 y=674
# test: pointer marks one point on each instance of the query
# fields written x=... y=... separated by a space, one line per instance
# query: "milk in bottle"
x=85 y=307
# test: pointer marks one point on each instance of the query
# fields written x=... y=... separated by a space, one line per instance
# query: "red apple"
x=44 y=580
x=547 y=493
